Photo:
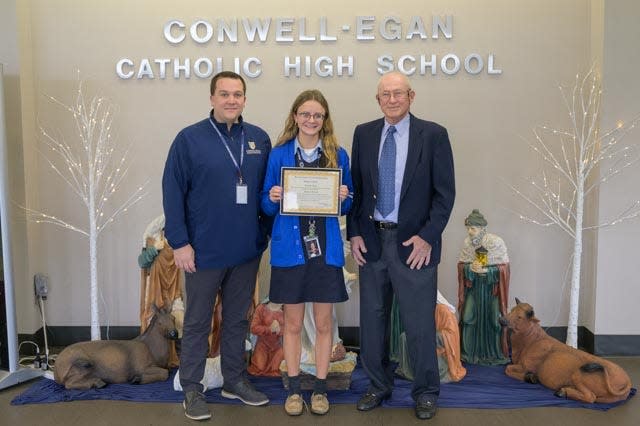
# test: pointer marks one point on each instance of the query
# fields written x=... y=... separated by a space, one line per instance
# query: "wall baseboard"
x=603 y=345
x=67 y=335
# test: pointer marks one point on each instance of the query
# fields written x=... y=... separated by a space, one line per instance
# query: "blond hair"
x=329 y=141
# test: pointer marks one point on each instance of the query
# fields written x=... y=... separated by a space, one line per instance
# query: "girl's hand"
x=344 y=192
x=275 y=194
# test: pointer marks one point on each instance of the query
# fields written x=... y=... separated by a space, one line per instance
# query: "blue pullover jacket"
x=199 y=193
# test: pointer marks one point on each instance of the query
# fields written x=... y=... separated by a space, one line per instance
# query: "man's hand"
x=421 y=253
x=357 y=250
x=185 y=259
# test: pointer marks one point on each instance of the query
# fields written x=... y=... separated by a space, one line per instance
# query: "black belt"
x=385 y=225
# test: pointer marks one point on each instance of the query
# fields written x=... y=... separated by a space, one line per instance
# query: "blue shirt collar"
x=402 y=127
x=305 y=157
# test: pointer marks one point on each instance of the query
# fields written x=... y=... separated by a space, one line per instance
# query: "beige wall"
x=538 y=45
x=618 y=286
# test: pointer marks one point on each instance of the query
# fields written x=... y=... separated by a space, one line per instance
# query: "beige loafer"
x=319 y=404
x=294 y=405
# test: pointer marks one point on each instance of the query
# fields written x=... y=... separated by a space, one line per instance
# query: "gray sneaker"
x=195 y=406
x=245 y=392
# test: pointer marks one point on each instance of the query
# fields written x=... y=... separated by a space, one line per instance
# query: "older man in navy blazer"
x=404 y=189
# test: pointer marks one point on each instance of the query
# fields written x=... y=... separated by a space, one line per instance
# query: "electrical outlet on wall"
x=41 y=285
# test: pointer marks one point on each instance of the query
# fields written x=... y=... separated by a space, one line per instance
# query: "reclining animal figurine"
x=94 y=364
x=572 y=373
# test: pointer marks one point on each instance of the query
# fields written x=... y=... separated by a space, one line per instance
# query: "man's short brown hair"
x=227 y=74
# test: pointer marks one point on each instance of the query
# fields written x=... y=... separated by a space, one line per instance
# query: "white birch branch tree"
x=575 y=162
x=94 y=170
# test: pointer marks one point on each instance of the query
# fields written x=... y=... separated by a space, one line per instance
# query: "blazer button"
x=371 y=217
x=374 y=196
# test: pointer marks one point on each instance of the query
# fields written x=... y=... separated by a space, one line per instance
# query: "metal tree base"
x=11 y=378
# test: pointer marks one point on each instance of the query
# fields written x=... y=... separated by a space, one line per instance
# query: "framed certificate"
x=310 y=191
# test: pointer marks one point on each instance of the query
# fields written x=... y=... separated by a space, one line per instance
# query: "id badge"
x=242 y=194
x=312 y=245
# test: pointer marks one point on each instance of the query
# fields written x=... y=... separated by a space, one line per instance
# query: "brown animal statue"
x=572 y=373
x=142 y=360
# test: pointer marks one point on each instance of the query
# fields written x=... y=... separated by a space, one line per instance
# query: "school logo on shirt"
x=252 y=148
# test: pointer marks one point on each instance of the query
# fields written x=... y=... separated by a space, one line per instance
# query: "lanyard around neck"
x=226 y=145
x=301 y=162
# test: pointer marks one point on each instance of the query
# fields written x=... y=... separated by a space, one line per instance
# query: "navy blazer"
x=428 y=187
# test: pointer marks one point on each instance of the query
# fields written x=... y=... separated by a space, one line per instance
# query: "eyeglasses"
x=307 y=115
x=399 y=95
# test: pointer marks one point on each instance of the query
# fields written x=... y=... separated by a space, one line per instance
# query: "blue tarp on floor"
x=483 y=387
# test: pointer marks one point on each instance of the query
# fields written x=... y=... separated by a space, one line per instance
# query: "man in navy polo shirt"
x=211 y=186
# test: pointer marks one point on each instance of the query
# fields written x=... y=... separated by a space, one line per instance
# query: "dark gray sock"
x=294 y=385
x=320 y=386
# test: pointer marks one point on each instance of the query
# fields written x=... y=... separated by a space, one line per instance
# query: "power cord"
x=45 y=365
x=44 y=361
x=30 y=361
x=41 y=361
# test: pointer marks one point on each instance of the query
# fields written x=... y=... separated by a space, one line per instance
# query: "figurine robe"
x=267 y=354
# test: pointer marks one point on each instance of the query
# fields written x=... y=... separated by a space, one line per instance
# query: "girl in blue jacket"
x=306 y=251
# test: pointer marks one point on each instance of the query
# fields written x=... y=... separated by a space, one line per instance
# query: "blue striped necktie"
x=387 y=174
